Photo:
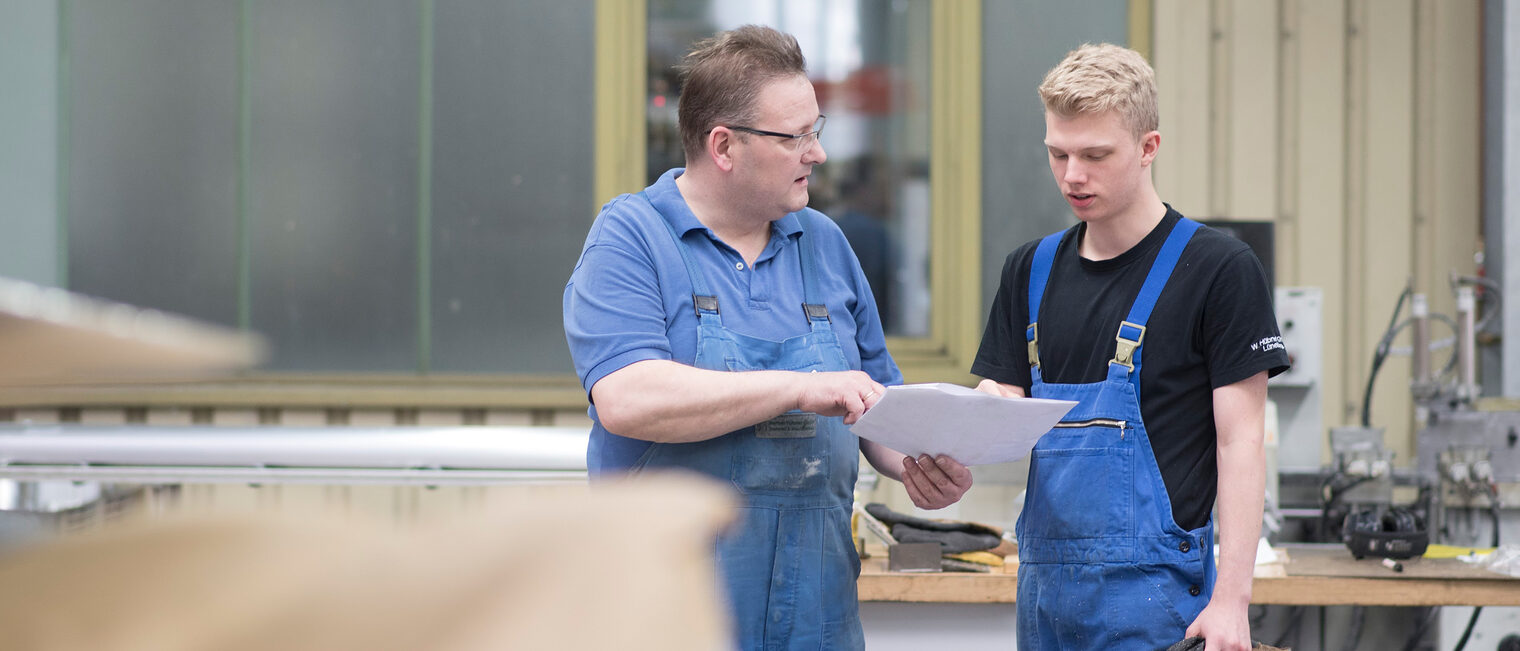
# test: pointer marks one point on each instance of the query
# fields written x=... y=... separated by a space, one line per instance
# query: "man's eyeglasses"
x=800 y=141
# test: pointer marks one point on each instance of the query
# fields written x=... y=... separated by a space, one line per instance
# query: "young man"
x=1115 y=539
x=720 y=325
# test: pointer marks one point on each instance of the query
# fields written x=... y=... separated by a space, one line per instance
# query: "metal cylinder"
x=1420 y=364
x=1467 y=362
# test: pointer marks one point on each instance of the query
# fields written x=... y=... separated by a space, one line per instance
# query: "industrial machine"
x=1462 y=489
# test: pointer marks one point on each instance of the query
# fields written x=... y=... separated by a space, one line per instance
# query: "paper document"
x=971 y=427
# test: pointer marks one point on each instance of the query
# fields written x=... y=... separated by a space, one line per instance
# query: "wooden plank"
x=1341 y=591
x=1271 y=586
x=878 y=584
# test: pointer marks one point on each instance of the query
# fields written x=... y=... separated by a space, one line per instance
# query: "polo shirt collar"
x=666 y=197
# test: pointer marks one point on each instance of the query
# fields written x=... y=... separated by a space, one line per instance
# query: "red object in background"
x=871 y=90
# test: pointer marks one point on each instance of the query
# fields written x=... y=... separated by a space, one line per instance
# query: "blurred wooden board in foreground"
x=616 y=566
x=49 y=336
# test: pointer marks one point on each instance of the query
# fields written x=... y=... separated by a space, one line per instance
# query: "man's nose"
x=815 y=153
x=1075 y=172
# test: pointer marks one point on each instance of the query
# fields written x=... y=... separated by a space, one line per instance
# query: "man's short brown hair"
x=1095 y=79
x=722 y=76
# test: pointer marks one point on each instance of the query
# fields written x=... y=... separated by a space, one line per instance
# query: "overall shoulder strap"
x=702 y=300
x=1132 y=330
x=1039 y=277
x=812 y=303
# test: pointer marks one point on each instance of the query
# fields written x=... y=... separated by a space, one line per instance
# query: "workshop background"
x=391 y=193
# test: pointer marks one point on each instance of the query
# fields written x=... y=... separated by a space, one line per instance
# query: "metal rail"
x=278 y=454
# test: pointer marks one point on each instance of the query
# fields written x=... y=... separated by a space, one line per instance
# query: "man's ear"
x=1149 y=146
x=719 y=146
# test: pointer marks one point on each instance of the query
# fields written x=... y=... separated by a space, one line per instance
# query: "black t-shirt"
x=1212 y=326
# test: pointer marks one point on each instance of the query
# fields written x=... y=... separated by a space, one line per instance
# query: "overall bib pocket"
x=775 y=475
x=1081 y=493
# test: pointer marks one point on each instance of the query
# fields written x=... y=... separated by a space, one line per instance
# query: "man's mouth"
x=1080 y=197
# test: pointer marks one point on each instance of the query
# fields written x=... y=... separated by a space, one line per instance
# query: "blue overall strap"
x=1132 y=329
x=811 y=306
x=701 y=299
x=1039 y=276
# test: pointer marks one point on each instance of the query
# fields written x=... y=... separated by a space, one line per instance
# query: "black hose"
x=1331 y=493
x=1462 y=641
x=1381 y=354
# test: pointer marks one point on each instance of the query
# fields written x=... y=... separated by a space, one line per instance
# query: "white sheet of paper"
x=971 y=427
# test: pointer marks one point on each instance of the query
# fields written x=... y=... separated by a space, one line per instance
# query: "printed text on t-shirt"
x=1267 y=344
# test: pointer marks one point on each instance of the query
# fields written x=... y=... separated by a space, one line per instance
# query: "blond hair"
x=722 y=76
x=1095 y=79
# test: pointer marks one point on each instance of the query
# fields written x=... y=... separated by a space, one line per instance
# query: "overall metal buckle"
x=1124 y=350
x=1033 y=332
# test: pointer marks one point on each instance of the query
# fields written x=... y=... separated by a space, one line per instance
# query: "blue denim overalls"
x=1102 y=562
x=790 y=563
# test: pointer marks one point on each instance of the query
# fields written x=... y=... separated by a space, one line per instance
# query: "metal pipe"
x=1467 y=338
x=26 y=476
x=1420 y=357
x=395 y=448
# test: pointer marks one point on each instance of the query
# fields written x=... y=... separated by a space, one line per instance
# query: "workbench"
x=1307 y=574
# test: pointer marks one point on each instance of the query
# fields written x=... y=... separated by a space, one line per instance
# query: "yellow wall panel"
x=1182 y=55
x=1250 y=178
x=1449 y=202
x=1386 y=35
x=1354 y=124
x=1317 y=43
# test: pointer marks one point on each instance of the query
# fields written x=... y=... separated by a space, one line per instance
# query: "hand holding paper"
x=969 y=426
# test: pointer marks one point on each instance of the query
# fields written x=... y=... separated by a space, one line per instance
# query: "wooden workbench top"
x=1324 y=575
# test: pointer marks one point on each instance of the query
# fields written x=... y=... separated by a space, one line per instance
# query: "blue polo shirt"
x=629 y=298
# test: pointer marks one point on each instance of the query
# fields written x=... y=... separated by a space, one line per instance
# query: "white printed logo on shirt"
x=1267 y=344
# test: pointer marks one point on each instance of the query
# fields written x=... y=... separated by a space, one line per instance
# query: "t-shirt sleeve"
x=1240 y=335
x=1004 y=352
x=613 y=311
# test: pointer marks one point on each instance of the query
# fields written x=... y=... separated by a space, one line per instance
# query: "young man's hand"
x=1222 y=627
x=935 y=482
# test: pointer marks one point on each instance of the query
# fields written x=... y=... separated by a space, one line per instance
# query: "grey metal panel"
x=332 y=182
x=153 y=154
x=28 y=141
x=1023 y=40
x=512 y=180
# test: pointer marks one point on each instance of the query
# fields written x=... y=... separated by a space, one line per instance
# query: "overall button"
x=739 y=266
x=1195 y=590
x=1185 y=547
